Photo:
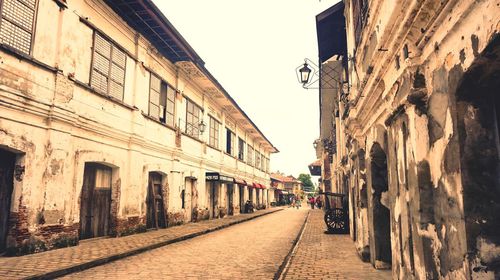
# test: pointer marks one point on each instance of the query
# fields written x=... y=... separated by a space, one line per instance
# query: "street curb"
x=283 y=269
x=93 y=263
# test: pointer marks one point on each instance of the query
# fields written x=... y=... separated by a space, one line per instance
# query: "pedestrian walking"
x=312 y=201
x=319 y=203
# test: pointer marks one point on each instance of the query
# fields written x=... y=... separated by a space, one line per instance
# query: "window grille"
x=16 y=24
x=192 y=119
x=108 y=68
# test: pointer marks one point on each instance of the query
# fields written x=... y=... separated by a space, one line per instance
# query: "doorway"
x=7 y=163
x=191 y=186
x=478 y=121
x=250 y=194
x=155 y=202
x=95 y=201
x=242 y=198
x=230 y=198
x=381 y=214
x=213 y=199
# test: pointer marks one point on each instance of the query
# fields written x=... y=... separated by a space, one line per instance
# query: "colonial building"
x=110 y=124
x=410 y=132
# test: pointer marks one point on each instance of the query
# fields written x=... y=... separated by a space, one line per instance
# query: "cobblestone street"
x=328 y=256
x=251 y=250
x=50 y=264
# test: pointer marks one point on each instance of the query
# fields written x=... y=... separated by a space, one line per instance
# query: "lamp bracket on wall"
x=308 y=74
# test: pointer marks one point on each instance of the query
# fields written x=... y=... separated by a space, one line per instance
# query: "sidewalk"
x=327 y=256
x=51 y=264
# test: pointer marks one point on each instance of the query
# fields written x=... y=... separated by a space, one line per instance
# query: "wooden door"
x=7 y=161
x=155 y=203
x=95 y=204
x=194 y=197
x=159 y=205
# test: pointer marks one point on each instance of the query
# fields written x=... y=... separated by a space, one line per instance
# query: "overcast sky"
x=252 y=48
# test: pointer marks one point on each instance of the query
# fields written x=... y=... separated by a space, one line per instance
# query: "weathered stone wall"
x=422 y=83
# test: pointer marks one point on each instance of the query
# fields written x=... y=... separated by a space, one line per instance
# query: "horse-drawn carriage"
x=336 y=212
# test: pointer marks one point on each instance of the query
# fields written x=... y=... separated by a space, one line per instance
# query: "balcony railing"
x=360 y=18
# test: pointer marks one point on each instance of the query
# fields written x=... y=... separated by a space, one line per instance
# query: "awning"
x=216 y=177
x=258 y=186
x=240 y=182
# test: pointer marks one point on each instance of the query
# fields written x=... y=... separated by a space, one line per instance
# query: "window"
x=192 y=119
x=241 y=149
x=262 y=163
x=214 y=133
x=108 y=68
x=161 y=101
x=230 y=139
x=268 y=165
x=257 y=160
x=17 y=24
x=249 y=155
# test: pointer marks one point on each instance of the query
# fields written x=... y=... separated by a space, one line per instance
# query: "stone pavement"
x=250 y=250
x=95 y=252
x=327 y=256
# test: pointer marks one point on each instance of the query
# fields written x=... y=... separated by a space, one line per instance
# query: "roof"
x=146 y=18
x=284 y=179
x=331 y=32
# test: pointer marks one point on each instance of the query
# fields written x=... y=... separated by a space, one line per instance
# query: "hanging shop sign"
x=216 y=176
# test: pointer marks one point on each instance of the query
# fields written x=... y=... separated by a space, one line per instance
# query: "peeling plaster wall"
x=55 y=124
x=420 y=52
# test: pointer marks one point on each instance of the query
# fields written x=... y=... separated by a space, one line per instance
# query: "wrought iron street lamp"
x=305 y=73
x=202 y=126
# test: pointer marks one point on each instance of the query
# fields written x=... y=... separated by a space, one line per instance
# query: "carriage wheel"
x=335 y=220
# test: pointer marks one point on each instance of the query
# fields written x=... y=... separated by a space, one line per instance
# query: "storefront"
x=220 y=194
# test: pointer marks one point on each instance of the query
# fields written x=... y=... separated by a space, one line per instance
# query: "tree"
x=307 y=184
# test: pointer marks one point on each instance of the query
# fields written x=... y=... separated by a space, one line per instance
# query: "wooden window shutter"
x=154 y=97
x=16 y=24
x=108 y=68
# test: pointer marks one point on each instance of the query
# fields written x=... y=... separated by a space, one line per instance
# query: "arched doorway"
x=155 y=217
x=7 y=165
x=95 y=206
x=478 y=123
x=381 y=242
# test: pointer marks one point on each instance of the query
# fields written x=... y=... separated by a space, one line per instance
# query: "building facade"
x=413 y=117
x=110 y=124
